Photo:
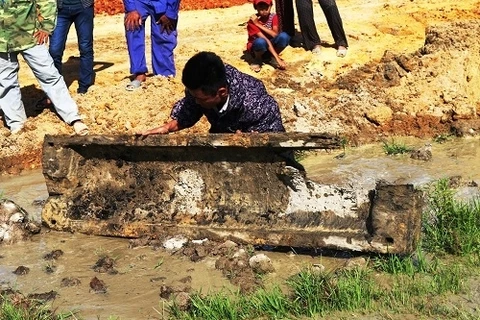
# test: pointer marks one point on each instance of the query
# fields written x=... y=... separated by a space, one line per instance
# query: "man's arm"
x=270 y=32
x=170 y=126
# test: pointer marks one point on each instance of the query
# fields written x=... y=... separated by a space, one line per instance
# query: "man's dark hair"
x=205 y=71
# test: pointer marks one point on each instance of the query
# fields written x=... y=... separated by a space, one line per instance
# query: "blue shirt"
x=250 y=108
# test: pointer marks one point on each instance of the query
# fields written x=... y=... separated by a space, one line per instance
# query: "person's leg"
x=311 y=39
x=52 y=83
x=258 y=50
x=10 y=95
x=286 y=18
x=136 y=46
x=280 y=42
x=334 y=21
x=58 y=38
x=84 y=26
x=163 y=45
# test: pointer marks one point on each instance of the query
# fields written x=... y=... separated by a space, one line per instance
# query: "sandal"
x=80 y=128
x=134 y=85
x=342 y=52
x=256 y=67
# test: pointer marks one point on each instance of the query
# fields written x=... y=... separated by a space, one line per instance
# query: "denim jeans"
x=83 y=20
x=280 y=42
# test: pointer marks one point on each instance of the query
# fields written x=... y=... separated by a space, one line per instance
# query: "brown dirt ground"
x=412 y=69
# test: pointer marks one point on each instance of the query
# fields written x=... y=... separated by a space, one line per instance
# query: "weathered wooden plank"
x=233 y=187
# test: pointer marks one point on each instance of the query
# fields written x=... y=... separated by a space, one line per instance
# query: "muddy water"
x=365 y=165
x=133 y=293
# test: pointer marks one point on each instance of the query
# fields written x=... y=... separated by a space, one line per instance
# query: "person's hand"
x=254 y=19
x=41 y=36
x=133 y=20
x=165 y=24
x=281 y=64
x=159 y=130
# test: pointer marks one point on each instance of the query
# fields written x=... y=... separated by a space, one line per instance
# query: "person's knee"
x=259 y=45
x=56 y=52
x=283 y=39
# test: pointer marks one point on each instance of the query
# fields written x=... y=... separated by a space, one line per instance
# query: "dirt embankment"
x=412 y=69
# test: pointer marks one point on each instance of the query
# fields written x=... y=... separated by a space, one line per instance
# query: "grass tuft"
x=393 y=148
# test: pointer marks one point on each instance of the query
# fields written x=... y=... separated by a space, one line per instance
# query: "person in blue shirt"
x=163 y=20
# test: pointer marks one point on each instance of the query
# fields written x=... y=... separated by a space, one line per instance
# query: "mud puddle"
x=133 y=290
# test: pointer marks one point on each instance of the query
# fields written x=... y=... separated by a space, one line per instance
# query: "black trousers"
x=284 y=9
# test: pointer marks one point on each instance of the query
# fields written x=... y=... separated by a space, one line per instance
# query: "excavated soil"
x=412 y=69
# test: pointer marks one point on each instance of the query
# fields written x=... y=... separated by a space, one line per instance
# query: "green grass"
x=451 y=226
x=393 y=148
x=24 y=309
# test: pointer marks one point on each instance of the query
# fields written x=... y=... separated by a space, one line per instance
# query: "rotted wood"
x=221 y=186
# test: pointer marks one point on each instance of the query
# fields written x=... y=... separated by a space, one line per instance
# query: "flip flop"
x=341 y=53
x=255 y=67
x=134 y=85
x=80 y=128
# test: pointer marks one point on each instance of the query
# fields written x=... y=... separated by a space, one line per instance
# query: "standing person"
x=80 y=13
x=264 y=39
x=163 y=20
x=311 y=39
x=25 y=28
x=232 y=102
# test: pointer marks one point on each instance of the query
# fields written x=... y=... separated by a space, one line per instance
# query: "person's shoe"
x=317 y=50
x=82 y=90
x=80 y=128
x=16 y=130
x=341 y=52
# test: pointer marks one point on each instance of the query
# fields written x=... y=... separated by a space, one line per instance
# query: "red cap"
x=269 y=2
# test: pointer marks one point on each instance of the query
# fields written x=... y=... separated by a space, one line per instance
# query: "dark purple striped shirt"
x=250 y=108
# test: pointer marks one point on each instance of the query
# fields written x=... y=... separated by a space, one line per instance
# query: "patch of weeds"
x=352 y=290
x=309 y=292
x=393 y=148
x=451 y=226
x=442 y=138
x=216 y=306
x=272 y=303
x=409 y=265
x=18 y=307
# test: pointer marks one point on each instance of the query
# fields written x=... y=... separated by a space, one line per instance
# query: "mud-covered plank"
x=252 y=140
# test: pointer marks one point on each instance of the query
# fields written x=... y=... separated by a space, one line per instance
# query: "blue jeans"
x=279 y=43
x=83 y=20
x=162 y=44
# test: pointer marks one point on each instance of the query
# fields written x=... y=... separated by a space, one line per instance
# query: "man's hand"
x=133 y=21
x=254 y=19
x=159 y=130
x=166 y=24
x=41 y=36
